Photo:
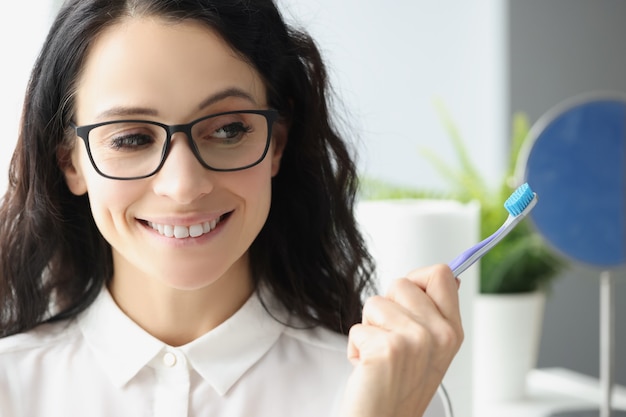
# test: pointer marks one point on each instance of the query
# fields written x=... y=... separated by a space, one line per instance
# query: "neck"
x=179 y=316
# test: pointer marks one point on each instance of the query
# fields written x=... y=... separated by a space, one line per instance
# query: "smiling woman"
x=178 y=231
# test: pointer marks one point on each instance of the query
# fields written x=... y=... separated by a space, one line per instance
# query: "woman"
x=177 y=237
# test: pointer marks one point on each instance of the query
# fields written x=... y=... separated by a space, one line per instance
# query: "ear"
x=280 y=132
x=67 y=158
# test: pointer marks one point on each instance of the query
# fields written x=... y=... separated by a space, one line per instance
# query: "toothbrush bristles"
x=519 y=200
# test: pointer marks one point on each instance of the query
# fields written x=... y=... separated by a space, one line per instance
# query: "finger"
x=416 y=301
x=387 y=314
x=440 y=285
x=364 y=340
x=384 y=378
x=426 y=325
x=423 y=277
x=410 y=296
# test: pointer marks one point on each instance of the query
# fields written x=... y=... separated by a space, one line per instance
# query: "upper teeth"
x=181 y=232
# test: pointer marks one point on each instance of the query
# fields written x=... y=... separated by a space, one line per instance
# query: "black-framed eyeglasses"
x=135 y=149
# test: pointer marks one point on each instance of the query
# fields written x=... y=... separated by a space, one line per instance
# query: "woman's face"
x=149 y=69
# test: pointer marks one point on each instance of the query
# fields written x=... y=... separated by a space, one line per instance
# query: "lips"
x=182 y=232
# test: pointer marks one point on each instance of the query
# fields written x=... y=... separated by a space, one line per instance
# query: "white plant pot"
x=507 y=331
x=406 y=234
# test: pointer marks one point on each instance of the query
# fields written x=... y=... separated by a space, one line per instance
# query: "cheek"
x=82 y=179
x=255 y=186
x=109 y=200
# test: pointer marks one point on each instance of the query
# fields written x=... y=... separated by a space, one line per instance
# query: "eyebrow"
x=224 y=94
x=122 y=111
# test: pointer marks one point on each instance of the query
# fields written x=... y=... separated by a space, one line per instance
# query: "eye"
x=231 y=131
x=125 y=137
x=130 y=141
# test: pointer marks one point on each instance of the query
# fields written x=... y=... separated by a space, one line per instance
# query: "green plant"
x=521 y=262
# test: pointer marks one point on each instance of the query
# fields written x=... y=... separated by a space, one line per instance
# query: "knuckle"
x=442 y=270
x=398 y=284
x=372 y=303
x=450 y=338
x=423 y=335
x=395 y=345
x=443 y=337
x=354 y=329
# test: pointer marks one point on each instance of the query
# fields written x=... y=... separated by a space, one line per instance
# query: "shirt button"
x=169 y=359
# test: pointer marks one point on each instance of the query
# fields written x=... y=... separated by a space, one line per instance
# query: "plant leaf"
x=472 y=178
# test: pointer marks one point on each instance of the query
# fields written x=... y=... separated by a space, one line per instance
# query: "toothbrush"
x=519 y=204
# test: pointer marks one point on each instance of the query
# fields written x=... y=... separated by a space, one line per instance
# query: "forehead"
x=169 y=67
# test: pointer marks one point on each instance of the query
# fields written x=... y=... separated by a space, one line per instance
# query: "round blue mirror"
x=575 y=160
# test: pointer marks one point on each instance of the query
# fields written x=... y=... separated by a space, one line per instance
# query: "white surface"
x=553 y=390
x=507 y=329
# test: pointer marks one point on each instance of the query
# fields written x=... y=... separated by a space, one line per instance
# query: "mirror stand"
x=607 y=354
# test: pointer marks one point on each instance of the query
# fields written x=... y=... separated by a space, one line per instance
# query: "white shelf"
x=552 y=390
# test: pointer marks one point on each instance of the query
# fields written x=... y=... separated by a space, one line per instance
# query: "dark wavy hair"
x=309 y=252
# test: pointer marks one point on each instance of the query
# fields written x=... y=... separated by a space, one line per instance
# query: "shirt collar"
x=121 y=347
x=224 y=354
x=221 y=356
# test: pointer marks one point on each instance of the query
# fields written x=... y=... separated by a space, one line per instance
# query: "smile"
x=182 y=232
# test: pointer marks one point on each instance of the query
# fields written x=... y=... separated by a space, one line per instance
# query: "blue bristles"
x=519 y=200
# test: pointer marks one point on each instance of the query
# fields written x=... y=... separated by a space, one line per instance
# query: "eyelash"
x=122 y=141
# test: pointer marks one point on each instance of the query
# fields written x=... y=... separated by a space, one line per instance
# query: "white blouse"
x=103 y=364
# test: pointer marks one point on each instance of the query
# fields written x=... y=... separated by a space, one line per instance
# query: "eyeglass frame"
x=271 y=115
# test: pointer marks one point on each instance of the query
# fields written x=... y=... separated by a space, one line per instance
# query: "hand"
x=402 y=349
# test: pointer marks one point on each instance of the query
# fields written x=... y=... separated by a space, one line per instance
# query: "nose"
x=181 y=177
